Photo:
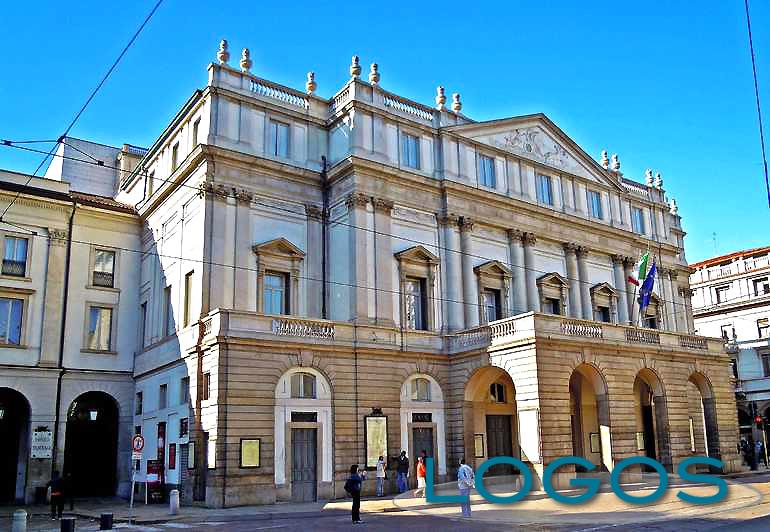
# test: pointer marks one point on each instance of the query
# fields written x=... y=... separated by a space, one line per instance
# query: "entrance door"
x=422 y=440
x=303 y=465
x=649 y=431
x=14 y=448
x=499 y=443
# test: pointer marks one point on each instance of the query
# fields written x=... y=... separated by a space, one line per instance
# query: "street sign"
x=42 y=444
x=137 y=444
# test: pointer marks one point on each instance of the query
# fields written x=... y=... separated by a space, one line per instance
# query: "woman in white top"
x=466 y=482
x=380 y=476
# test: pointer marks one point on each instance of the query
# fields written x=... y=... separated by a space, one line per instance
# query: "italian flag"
x=639 y=272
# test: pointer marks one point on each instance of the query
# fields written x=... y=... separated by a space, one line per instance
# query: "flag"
x=646 y=290
x=639 y=273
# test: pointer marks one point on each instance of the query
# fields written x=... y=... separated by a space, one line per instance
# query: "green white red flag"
x=639 y=273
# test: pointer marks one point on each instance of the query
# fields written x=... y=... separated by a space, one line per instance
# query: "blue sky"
x=666 y=85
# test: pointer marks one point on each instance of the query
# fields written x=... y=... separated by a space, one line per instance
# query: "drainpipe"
x=62 y=334
x=324 y=234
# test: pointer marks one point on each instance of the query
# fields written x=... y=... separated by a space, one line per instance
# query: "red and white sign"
x=137 y=444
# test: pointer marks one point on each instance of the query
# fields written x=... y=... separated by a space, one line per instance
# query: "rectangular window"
x=163 y=396
x=276 y=294
x=492 y=305
x=763 y=328
x=184 y=390
x=497 y=392
x=99 y=328
x=168 y=312
x=722 y=293
x=15 y=257
x=761 y=286
x=104 y=268
x=651 y=322
x=487 y=171
x=544 y=189
x=637 y=220
x=279 y=138
x=552 y=305
x=139 y=408
x=414 y=294
x=766 y=365
x=11 y=311
x=726 y=331
x=603 y=314
x=410 y=151
x=143 y=323
x=174 y=156
x=184 y=427
x=188 y=281
x=303 y=386
x=206 y=386
x=595 y=204
x=196 y=126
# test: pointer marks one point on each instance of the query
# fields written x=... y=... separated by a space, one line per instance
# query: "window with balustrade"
x=493 y=279
x=15 y=256
x=417 y=271
x=554 y=291
x=278 y=271
x=103 y=273
x=604 y=301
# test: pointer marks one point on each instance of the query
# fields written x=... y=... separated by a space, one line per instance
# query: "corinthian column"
x=53 y=295
x=518 y=280
x=575 y=299
x=453 y=285
x=533 y=299
x=470 y=289
x=620 y=286
x=585 y=287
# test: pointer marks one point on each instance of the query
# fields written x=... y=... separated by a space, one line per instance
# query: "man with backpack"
x=353 y=487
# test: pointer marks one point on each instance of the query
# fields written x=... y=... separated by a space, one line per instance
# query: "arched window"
x=303 y=386
x=420 y=389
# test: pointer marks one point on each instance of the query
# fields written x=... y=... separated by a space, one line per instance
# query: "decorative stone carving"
x=374 y=74
x=457 y=105
x=615 y=163
x=674 y=207
x=618 y=259
x=223 y=55
x=466 y=224
x=440 y=98
x=383 y=205
x=529 y=239
x=658 y=181
x=311 y=85
x=569 y=247
x=605 y=162
x=244 y=196
x=355 y=67
x=57 y=234
x=447 y=219
x=648 y=177
x=356 y=199
x=629 y=261
x=515 y=234
x=581 y=251
x=246 y=60
x=313 y=211
x=534 y=143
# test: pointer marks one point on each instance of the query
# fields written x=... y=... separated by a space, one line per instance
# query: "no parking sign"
x=137 y=444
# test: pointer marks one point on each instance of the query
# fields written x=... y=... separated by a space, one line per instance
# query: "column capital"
x=581 y=251
x=466 y=224
x=629 y=261
x=57 y=237
x=383 y=205
x=570 y=247
x=618 y=260
x=243 y=196
x=356 y=199
x=529 y=239
x=673 y=274
x=515 y=234
x=314 y=211
x=447 y=218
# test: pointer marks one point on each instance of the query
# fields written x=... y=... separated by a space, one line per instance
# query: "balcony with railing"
x=16 y=268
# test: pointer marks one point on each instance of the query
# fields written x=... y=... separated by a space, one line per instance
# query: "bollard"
x=173 y=502
x=19 y=521
x=67 y=524
x=105 y=521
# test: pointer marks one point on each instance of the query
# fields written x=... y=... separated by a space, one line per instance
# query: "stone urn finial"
x=355 y=67
x=457 y=105
x=658 y=181
x=648 y=177
x=605 y=162
x=223 y=56
x=311 y=85
x=615 y=163
x=374 y=74
x=440 y=98
x=674 y=207
x=246 y=60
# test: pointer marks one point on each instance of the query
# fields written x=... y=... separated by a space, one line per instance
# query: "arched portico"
x=704 y=433
x=652 y=427
x=590 y=416
x=422 y=420
x=14 y=445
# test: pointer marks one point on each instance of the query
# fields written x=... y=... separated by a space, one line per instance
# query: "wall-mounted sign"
x=42 y=444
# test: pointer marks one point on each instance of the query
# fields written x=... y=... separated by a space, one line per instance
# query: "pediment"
x=417 y=254
x=553 y=278
x=536 y=138
x=280 y=247
x=493 y=268
x=605 y=289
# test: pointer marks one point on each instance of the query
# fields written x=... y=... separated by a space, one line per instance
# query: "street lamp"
x=93 y=414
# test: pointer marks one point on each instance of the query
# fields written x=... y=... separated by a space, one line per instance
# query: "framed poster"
x=250 y=452
x=640 y=441
x=376 y=437
x=191 y=455
x=478 y=446
x=596 y=443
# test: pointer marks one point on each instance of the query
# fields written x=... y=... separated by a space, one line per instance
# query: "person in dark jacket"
x=402 y=470
x=353 y=487
x=57 y=495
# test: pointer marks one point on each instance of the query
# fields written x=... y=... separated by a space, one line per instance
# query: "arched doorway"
x=91 y=445
x=422 y=421
x=590 y=416
x=652 y=436
x=14 y=445
x=490 y=420
x=704 y=436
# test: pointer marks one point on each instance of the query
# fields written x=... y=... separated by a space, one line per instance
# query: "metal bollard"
x=67 y=524
x=19 y=521
x=105 y=521
x=173 y=502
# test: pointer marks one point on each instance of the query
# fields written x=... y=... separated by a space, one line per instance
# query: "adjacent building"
x=731 y=299
x=322 y=281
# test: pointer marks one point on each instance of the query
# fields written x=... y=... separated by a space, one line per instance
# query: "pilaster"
x=455 y=314
x=54 y=295
x=585 y=286
x=360 y=293
x=384 y=262
x=314 y=269
x=575 y=292
x=470 y=289
x=533 y=299
x=243 y=243
x=518 y=280
x=620 y=286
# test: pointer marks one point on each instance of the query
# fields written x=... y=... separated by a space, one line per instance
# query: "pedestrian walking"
x=759 y=450
x=353 y=487
x=465 y=482
x=57 y=495
x=402 y=472
x=381 y=476
x=421 y=473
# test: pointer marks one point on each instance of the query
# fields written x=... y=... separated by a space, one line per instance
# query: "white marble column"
x=359 y=293
x=384 y=262
x=314 y=258
x=533 y=298
x=620 y=286
x=679 y=310
x=453 y=287
x=54 y=294
x=575 y=295
x=665 y=273
x=585 y=286
x=470 y=288
x=519 y=278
